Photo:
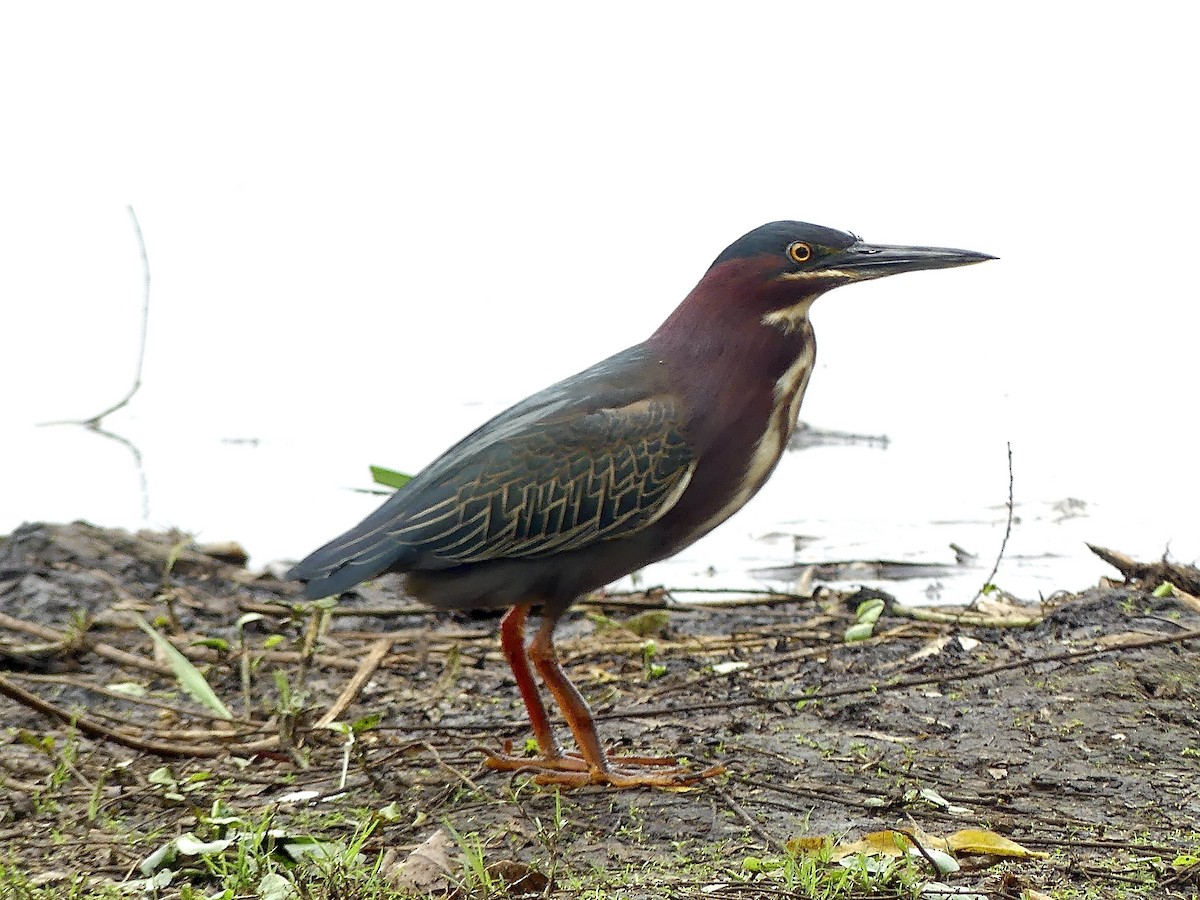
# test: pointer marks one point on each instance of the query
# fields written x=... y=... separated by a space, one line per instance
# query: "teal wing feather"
x=555 y=487
x=599 y=455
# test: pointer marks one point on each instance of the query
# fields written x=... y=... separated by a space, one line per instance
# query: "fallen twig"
x=989 y=581
x=1184 y=578
x=763 y=835
x=94 y=421
x=963 y=617
x=107 y=651
x=365 y=670
x=1067 y=656
x=84 y=684
x=94 y=729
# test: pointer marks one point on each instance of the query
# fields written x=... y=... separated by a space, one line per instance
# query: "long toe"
x=507 y=762
x=619 y=777
x=573 y=770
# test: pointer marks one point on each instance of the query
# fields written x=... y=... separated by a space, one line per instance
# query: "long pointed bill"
x=861 y=261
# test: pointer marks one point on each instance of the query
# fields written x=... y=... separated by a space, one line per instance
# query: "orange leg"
x=592 y=765
x=512 y=642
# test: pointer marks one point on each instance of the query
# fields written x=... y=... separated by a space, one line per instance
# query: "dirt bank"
x=1077 y=735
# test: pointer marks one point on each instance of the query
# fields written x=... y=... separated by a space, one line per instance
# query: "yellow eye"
x=799 y=251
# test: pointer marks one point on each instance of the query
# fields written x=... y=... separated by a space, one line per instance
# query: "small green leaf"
x=173 y=556
x=758 y=864
x=129 y=688
x=186 y=674
x=246 y=619
x=163 y=856
x=869 y=611
x=648 y=623
x=724 y=668
x=366 y=723
x=1166 y=589
x=45 y=743
x=302 y=847
x=389 y=477
x=859 y=632
x=274 y=886
x=190 y=845
x=601 y=621
x=391 y=813
x=219 y=644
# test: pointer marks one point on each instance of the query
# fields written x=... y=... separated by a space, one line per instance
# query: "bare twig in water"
x=988 y=582
x=94 y=422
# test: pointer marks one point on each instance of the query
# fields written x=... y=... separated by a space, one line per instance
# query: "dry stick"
x=94 y=422
x=425 y=638
x=1185 y=579
x=85 y=685
x=442 y=764
x=287 y=607
x=965 y=617
x=365 y=670
x=766 y=593
x=145 y=663
x=775 y=659
x=94 y=729
x=750 y=597
x=1007 y=531
x=106 y=651
x=768 y=841
x=1134 y=846
x=912 y=837
x=1067 y=656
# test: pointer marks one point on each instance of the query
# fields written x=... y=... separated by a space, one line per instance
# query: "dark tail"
x=366 y=550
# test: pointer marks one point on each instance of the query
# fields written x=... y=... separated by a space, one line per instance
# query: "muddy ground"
x=1076 y=735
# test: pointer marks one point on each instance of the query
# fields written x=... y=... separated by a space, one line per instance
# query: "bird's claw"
x=572 y=770
x=619 y=777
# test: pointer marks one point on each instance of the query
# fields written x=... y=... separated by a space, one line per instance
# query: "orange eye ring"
x=799 y=252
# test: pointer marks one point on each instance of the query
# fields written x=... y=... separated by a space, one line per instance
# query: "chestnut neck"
x=719 y=353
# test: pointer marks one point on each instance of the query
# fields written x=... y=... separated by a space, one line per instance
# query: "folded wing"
x=548 y=476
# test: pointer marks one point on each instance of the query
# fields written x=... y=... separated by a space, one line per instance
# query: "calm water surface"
x=281 y=492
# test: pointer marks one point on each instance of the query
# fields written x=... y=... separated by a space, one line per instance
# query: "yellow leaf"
x=978 y=840
x=874 y=843
x=807 y=846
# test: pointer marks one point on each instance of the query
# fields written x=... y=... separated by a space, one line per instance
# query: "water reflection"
x=920 y=518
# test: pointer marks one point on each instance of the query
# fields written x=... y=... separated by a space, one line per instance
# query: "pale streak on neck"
x=789 y=318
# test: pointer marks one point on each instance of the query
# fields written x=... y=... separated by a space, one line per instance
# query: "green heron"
x=621 y=465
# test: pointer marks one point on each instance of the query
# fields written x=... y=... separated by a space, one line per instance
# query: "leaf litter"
x=1058 y=743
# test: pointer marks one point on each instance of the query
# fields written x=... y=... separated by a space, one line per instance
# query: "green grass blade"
x=389 y=477
x=186 y=674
